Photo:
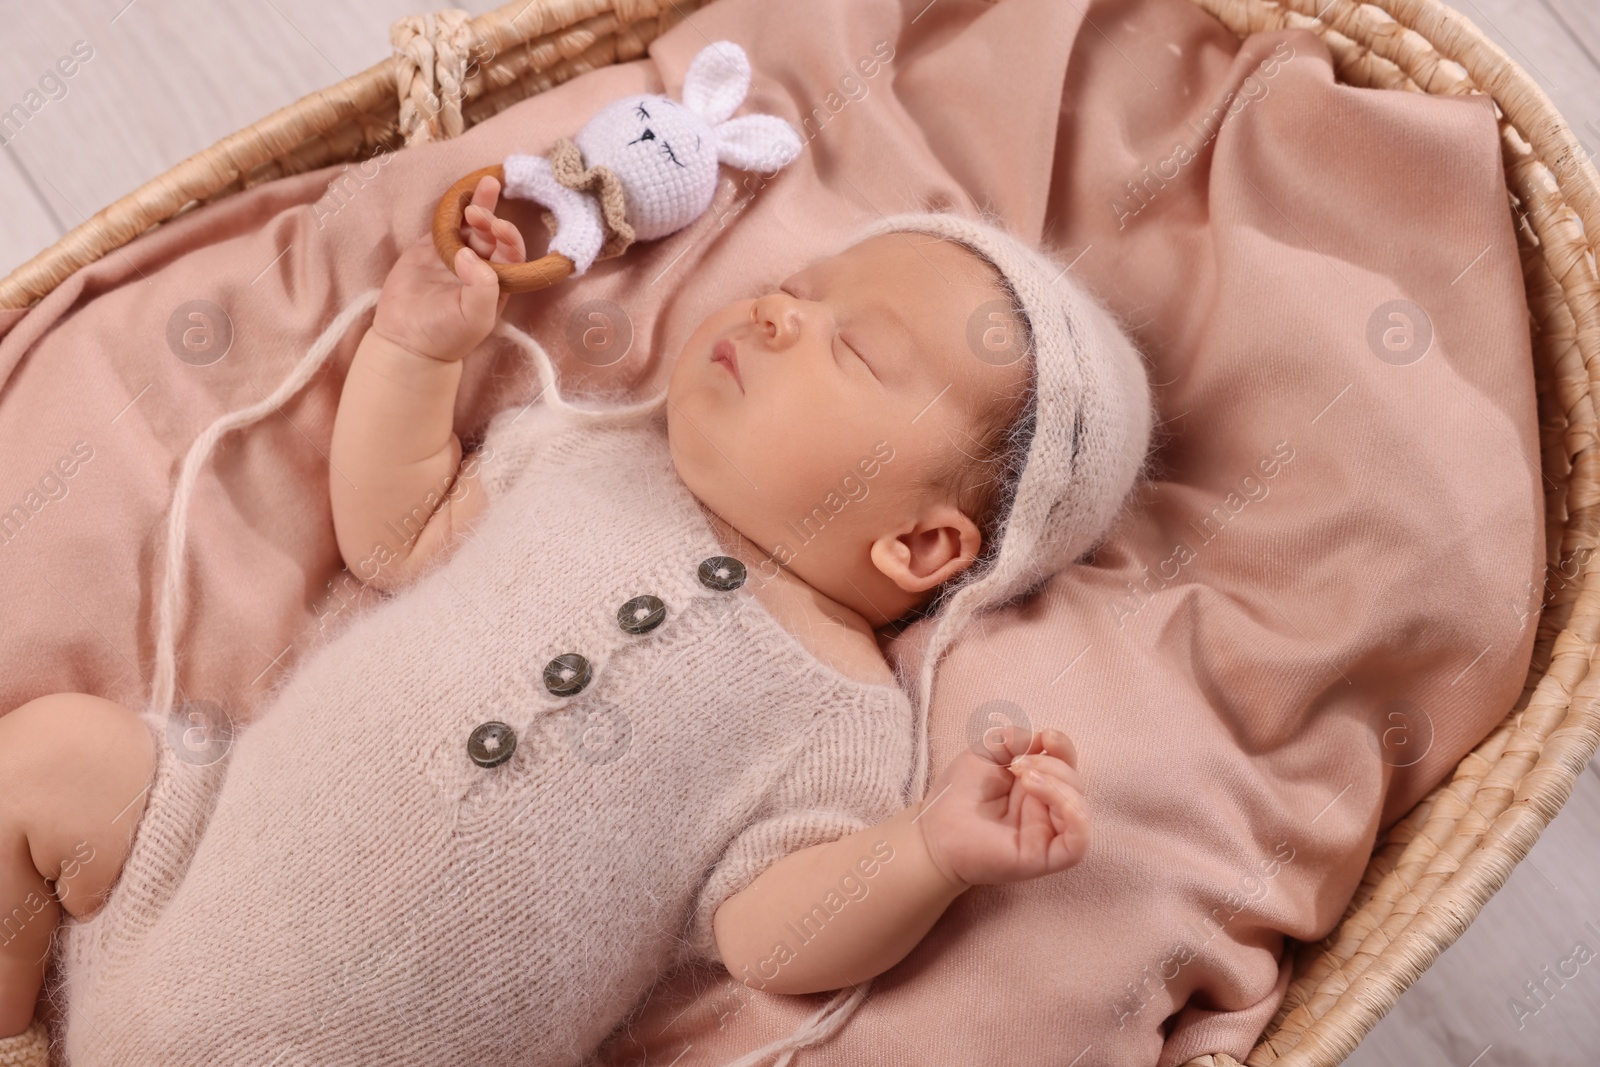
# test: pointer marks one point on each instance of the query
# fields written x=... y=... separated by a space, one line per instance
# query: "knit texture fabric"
x=1094 y=414
x=344 y=886
x=31 y=1048
x=566 y=163
x=576 y=219
x=652 y=161
x=446 y=912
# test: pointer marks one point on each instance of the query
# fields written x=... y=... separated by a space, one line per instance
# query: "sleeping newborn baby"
x=623 y=706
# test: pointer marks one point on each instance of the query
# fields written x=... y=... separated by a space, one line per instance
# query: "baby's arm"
x=394 y=459
x=982 y=822
x=397 y=485
x=905 y=895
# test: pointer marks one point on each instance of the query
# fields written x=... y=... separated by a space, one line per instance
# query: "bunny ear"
x=757 y=143
x=717 y=81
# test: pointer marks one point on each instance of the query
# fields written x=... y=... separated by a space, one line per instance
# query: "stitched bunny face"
x=665 y=153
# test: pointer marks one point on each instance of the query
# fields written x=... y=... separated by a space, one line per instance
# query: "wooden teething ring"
x=514 y=277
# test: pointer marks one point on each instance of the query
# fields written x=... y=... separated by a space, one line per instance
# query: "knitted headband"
x=1093 y=420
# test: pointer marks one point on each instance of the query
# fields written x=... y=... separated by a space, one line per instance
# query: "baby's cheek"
x=798 y=461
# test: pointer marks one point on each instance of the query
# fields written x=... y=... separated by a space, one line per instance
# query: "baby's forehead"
x=945 y=301
x=944 y=282
x=946 y=259
x=911 y=270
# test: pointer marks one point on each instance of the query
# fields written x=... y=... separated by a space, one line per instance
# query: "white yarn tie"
x=172 y=586
x=547 y=380
x=171 y=602
x=828 y=1020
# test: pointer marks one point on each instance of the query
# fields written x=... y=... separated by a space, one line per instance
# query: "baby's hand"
x=985 y=825
x=433 y=312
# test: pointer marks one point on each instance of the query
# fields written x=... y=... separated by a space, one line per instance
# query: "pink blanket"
x=1326 y=597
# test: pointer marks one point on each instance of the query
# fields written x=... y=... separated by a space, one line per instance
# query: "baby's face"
x=806 y=416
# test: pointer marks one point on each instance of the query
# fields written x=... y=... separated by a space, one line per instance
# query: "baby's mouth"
x=723 y=352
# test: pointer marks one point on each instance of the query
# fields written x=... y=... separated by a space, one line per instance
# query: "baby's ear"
x=943 y=543
x=761 y=143
x=717 y=81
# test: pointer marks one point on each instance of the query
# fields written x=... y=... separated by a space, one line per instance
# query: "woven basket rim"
x=1456 y=848
x=541 y=42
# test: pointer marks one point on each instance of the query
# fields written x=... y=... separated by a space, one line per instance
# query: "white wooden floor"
x=167 y=78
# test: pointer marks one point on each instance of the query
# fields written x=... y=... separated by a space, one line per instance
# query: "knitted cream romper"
x=346 y=887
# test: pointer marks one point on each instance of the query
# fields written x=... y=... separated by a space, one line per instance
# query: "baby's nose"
x=779 y=325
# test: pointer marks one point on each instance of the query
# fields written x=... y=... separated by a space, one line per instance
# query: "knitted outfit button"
x=641 y=614
x=566 y=674
x=721 y=573
x=491 y=744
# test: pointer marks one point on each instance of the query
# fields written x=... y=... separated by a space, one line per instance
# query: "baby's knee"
x=75 y=733
x=77 y=770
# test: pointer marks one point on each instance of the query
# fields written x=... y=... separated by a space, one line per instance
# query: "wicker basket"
x=1436 y=867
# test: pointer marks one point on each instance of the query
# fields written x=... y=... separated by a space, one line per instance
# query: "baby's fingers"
x=508 y=243
x=492 y=237
x=486 y=194
x=1004 y=741
x=477 y=231
x=477 y=278
x=1049 y=766
x=1053 y=742
x=1063 y=835
x=1066 y=804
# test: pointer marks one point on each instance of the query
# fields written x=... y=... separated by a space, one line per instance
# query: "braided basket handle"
x=514 y=277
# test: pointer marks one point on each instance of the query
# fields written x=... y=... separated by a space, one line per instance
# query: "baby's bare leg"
x=75 y=770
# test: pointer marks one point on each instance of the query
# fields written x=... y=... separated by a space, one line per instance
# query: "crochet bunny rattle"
x=651 y=170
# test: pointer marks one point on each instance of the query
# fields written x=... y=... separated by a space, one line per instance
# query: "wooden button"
x=566 y=674
x=641 y=614
x=491 y=744
x=722 y=573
